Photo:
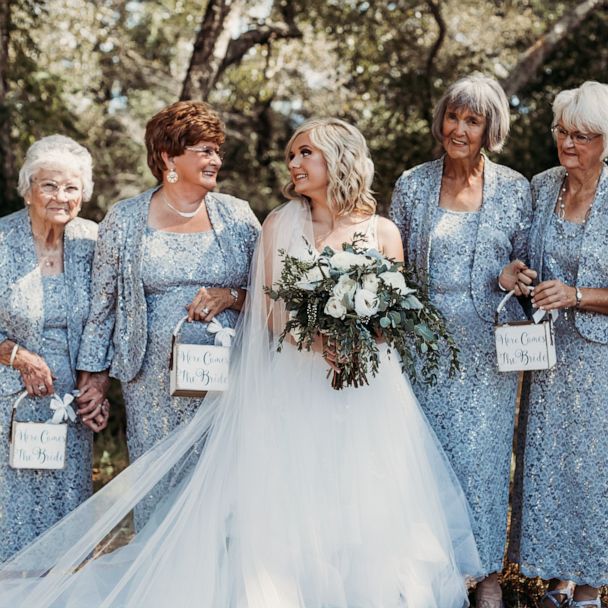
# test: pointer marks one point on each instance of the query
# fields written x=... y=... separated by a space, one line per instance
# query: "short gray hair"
x=484 y=96
x=584 y=109
x=56 y=150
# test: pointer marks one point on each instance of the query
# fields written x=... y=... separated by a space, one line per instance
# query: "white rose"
x=344 y=287
x=370 y=282
x=335 y=308
x=366 y=303
x=345 y=260
x=397 y=281
x=310 y=279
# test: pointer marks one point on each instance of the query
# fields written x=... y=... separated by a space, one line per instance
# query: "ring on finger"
x=41 y=387
x=205 y=310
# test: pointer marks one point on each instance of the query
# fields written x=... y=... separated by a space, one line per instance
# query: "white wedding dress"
x=303 y=497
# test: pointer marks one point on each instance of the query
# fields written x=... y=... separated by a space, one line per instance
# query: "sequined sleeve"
x=96 y=344
x=400 y=207
x=3 y=278
x=523 y=200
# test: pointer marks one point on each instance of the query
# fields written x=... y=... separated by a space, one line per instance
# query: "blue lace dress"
x=33 y=500
x=472 y=413
x=565 y=476
x=174 y=267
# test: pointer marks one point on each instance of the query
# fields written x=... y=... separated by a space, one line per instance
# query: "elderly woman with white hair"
x=46 y=253
x=462 y=219
x=562 y=532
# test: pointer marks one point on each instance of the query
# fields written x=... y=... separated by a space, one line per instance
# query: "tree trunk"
x=7 y=179
x=206 y=58
x=214 y=51
x=535 y=56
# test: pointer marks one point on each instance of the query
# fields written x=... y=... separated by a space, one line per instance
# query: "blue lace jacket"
x=593 y=262
x=115 y=335
x=502 y=234
x=21 y=300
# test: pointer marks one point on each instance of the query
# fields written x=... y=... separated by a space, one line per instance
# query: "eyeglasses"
x=52 y=189
x=577 y=137
x=206 y=151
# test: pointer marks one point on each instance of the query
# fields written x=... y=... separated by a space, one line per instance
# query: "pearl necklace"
x=561 y=205
x=186 y=214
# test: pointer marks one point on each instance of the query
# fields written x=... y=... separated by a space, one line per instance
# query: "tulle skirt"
x=309 y=498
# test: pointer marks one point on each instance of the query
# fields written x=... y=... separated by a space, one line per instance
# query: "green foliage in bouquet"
x=355 y=298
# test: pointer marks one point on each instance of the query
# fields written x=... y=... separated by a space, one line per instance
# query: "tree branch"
x=435 y=8
x=264 y=34
x=210 y=58
x=535 y=56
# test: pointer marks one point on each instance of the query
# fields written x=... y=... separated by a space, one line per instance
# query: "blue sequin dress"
x=565 y=476
x=33 y=500
x=174 y=267
x=472 y=413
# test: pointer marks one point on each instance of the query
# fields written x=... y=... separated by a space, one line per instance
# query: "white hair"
x=53 y=151
x=482 y=95
x=584 y=109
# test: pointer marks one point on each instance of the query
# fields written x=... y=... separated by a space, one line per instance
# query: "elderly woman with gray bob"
x=561 y=532
x=462 y=219
x=46 y=253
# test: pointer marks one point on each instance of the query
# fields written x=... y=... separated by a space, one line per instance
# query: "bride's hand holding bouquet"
x=352 y=299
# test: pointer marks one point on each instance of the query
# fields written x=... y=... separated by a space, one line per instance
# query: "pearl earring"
x=172 y=176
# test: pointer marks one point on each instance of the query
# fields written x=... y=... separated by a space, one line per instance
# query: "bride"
x=304 y=496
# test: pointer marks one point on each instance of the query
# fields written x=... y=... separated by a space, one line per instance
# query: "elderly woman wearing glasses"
x=177 y=249
x=562 y=527
x=462 y=218
x=46 y=253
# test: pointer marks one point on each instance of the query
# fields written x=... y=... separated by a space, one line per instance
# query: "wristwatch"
x=234 y=293
x=579 y=297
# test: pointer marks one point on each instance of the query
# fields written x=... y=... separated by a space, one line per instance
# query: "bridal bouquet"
x=354 y=298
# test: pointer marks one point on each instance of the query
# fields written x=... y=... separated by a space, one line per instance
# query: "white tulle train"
x=303 y=496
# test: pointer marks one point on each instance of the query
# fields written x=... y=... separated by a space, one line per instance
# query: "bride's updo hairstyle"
x=350 y=170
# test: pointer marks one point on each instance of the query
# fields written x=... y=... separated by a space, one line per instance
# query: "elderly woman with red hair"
x=177 y=248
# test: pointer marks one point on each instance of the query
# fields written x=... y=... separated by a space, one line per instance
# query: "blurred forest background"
x=97 y=71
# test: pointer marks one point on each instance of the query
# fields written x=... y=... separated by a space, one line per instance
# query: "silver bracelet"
x=13 y=355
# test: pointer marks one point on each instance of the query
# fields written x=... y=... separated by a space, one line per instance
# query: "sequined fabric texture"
x=116 y=335
x=563 y=532
x=174 y=267
x=472 y=413
x=33 y=500
x=142 y=281
x=458 y=257
x=504 y=221
x=593 y=261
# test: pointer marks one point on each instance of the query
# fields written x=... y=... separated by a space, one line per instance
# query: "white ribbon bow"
x=223 y=335
x=539 y=315
x=62 y=409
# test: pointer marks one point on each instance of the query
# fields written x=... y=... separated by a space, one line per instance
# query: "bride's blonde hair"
x=350 y=170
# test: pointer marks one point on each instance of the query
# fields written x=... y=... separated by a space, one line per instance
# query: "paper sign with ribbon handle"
x=525 y=345
x=198 y=368
x=41 y=445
